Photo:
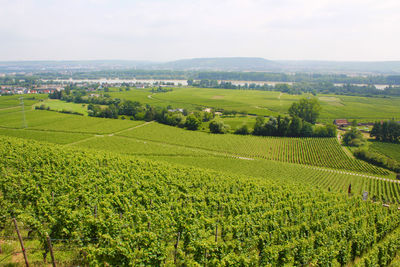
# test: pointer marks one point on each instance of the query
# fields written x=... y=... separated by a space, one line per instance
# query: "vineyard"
x=45 y=136
x=138 y=147
x=324 y=152
x=53 y=121
x=121 y=210
x=390 y=150
x=325 y=179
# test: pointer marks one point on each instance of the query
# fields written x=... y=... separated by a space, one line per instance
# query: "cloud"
x=172 y=29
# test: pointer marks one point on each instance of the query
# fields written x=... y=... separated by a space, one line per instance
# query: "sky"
x=163 y=30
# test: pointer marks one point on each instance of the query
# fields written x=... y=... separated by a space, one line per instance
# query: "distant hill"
x=223 y=64
x=261 y=64
x=239 y=64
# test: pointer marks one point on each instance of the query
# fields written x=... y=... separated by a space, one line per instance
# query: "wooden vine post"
x=53 y=260
x=176 y=246
x=216 y=233
x=21 y=242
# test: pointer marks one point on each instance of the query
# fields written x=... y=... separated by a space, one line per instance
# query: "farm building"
x=341 y=122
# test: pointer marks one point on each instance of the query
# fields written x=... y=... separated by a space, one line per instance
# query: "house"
x=176 y=110
x=341 y=122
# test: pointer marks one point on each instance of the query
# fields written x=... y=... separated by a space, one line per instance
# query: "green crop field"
x=54 y=121
x=46 y=136
x=122 y=203
x=268 y=103
x=9 y=101
x=58 y=105
x=314 y=151
x=388 y=149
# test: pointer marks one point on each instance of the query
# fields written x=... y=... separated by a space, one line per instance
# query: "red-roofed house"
x=341 y=122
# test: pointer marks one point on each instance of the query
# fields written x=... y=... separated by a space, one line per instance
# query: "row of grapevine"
x=383 y=253
x=321 y=178
x=128 y=211
x=325 y=152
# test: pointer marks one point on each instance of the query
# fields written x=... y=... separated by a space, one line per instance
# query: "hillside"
x=223 y=64
x=129 y=211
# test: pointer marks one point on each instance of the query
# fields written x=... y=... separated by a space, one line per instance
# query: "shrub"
x=192 y=122
x=377 y=159
x=218 y=127
x=243 y=130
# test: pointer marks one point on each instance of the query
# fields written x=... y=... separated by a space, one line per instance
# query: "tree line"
x=225 y=75
x=298 y=88
x=386 y=131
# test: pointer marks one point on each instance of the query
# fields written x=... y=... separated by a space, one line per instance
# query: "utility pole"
x=23 y=112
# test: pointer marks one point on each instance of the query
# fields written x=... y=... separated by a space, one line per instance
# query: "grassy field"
x=313 y=151
x=268 y=103
x=7 y=101
x=59 y=105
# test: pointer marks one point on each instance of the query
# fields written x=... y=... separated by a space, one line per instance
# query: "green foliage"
x=324 y=152
x=387 y=131
x=383 y=253
x=243 y=130
x=192 y=122
x=306 y=109
x=378 y=159
x=107 y=201
x=282 y=172
x=292 y=127
x=353 y=138
x=218 y=127
x=390 y=150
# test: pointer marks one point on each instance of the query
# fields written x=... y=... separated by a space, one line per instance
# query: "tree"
x=331 y=130
x=283 y=126
x=307 y=109
x=306 y=130
x=243 y=130
x=218 y=127
x=259 y=126
x=295 y=127
x=387 y=131
x=353 y=138
x=192 y=122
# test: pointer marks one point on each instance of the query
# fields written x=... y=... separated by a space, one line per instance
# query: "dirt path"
x=10 y=108
x=111 y=134
x=353 y=174
x=348 y=152
x=134 y=127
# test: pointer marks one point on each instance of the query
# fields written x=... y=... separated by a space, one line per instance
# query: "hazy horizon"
x=160 y=31
x=189 y=58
